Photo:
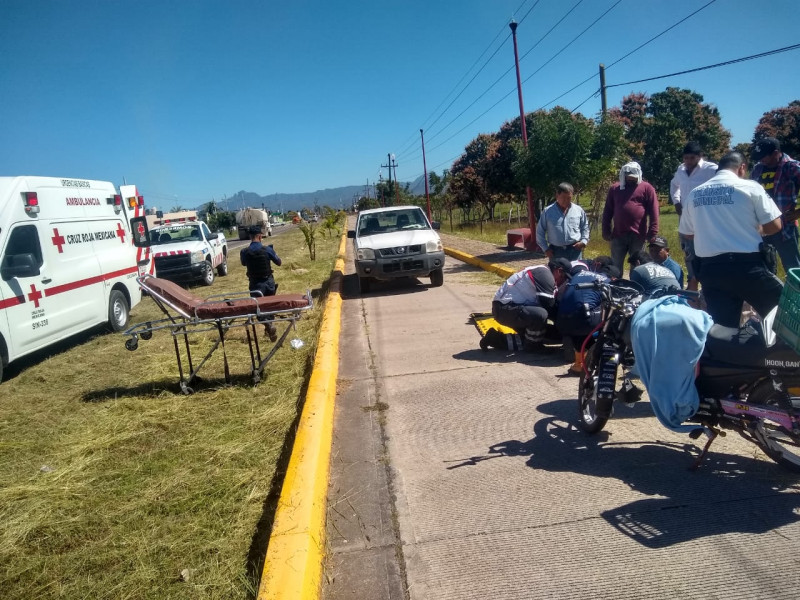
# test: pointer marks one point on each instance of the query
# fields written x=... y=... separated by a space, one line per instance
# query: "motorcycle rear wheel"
x=589 y=417
x=777 y=443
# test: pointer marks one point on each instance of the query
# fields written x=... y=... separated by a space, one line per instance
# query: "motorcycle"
x=747 y=381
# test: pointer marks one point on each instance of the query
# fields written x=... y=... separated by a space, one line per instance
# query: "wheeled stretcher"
x=187 y=315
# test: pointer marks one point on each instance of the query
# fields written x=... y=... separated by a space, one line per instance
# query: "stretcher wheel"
x=146 y=335
x=186 y=389
x=131 y=344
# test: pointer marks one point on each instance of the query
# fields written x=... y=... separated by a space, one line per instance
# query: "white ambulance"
x=68 y=259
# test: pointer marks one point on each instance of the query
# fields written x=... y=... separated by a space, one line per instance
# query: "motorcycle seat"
x=745 y=347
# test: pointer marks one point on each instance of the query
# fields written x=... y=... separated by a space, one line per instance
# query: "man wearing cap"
x=524 y=300
x=257 y=258
x=692 y=172
x=579 y=310
x=632 y=207
x=563 y=229
x=659 y=252
x=726 y=216
x=650 y=276
x=779 y=175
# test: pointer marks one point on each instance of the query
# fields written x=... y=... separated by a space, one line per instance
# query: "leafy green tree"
x=474 y=179
x=563 y=146
x=783 y=124
x=671 y=118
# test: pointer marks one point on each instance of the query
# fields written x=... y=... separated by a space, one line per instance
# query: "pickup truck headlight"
x=433 y=246
x=198 y=256
x=365 y=254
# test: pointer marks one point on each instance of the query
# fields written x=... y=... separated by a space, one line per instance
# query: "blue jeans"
x=569 y=252
x=787 y=248
x=687 y=245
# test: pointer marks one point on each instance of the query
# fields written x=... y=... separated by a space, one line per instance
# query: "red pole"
x=531 y=214
x=425 y=170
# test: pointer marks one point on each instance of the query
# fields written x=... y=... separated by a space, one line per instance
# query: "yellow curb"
x=293 y=565
x=486 y=266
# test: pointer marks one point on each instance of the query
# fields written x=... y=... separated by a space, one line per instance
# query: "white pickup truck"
x=188 y=251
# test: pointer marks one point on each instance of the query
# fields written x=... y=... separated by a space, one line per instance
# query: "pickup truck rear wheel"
x=222 y=269
x=118 y=311
x=437 y=278
x=208 y=275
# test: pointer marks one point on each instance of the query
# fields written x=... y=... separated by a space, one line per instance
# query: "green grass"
x=114 y=483
x=495 y=232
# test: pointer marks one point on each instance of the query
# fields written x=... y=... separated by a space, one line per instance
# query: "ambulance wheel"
x=208 y=274
x=118 y=311
x=222 y=269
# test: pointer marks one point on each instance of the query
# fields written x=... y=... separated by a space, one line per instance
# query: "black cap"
x=659 y=241
x=254 y=230
x=764 y=148
x=560 y=263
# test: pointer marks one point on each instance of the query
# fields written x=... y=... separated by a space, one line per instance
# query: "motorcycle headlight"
x=365 y=254
x=434 y=245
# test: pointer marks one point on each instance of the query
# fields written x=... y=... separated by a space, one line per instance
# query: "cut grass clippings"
x=116 y=485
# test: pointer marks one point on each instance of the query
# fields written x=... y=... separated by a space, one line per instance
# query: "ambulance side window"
x=206 y=232
x=24 y=240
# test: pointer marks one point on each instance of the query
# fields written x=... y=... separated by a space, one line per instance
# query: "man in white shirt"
x=726 y=217
x=693 y=172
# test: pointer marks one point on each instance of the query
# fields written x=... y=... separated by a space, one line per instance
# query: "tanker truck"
x=248 y=217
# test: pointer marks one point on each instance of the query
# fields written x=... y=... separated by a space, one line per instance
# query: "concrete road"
x=458 y=474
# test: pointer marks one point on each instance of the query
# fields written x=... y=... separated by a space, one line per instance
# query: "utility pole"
x=396 y=184
x=604 y=104
x=390 y=160
x=425 y=172
x=531 y=214
x=380 y=186
x=366 y=189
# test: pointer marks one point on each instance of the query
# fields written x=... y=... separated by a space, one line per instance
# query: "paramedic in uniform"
x=726 y=217
x=257 y=258
x=523 y=301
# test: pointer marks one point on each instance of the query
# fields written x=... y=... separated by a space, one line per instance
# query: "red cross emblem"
x=35 y=296
x=140 y=229
x=120 y=233
x=58 y=240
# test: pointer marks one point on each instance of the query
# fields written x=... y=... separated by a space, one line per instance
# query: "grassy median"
x=116 y=485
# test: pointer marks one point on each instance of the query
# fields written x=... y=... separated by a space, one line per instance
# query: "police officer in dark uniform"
x=258 y=258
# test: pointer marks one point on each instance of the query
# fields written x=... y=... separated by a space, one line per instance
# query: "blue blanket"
x=668 y=337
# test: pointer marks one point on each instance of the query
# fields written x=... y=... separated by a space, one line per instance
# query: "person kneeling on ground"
x=522 y=304
x=580 y=311
x=650 y=275
x=659 y=252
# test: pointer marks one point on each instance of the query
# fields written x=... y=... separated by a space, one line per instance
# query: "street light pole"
x=531 y=215
x=425 y=170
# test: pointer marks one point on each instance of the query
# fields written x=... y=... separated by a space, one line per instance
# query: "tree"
x=567 y=147
x=783 y=124
x=670 y=119
x=474 y=179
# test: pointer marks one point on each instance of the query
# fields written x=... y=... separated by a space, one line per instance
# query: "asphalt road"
x=459 y=474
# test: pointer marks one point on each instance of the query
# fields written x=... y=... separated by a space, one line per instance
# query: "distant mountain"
x=338 y=198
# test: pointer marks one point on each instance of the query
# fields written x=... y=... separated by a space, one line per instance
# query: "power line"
x=409 y=141
x=714 y=66
x=655 y=37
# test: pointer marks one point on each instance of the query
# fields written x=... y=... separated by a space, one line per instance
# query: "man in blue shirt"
x=659 y=252
x=258 y=258
x=563 y=228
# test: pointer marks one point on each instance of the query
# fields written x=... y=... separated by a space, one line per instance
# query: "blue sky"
x=198 y=99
